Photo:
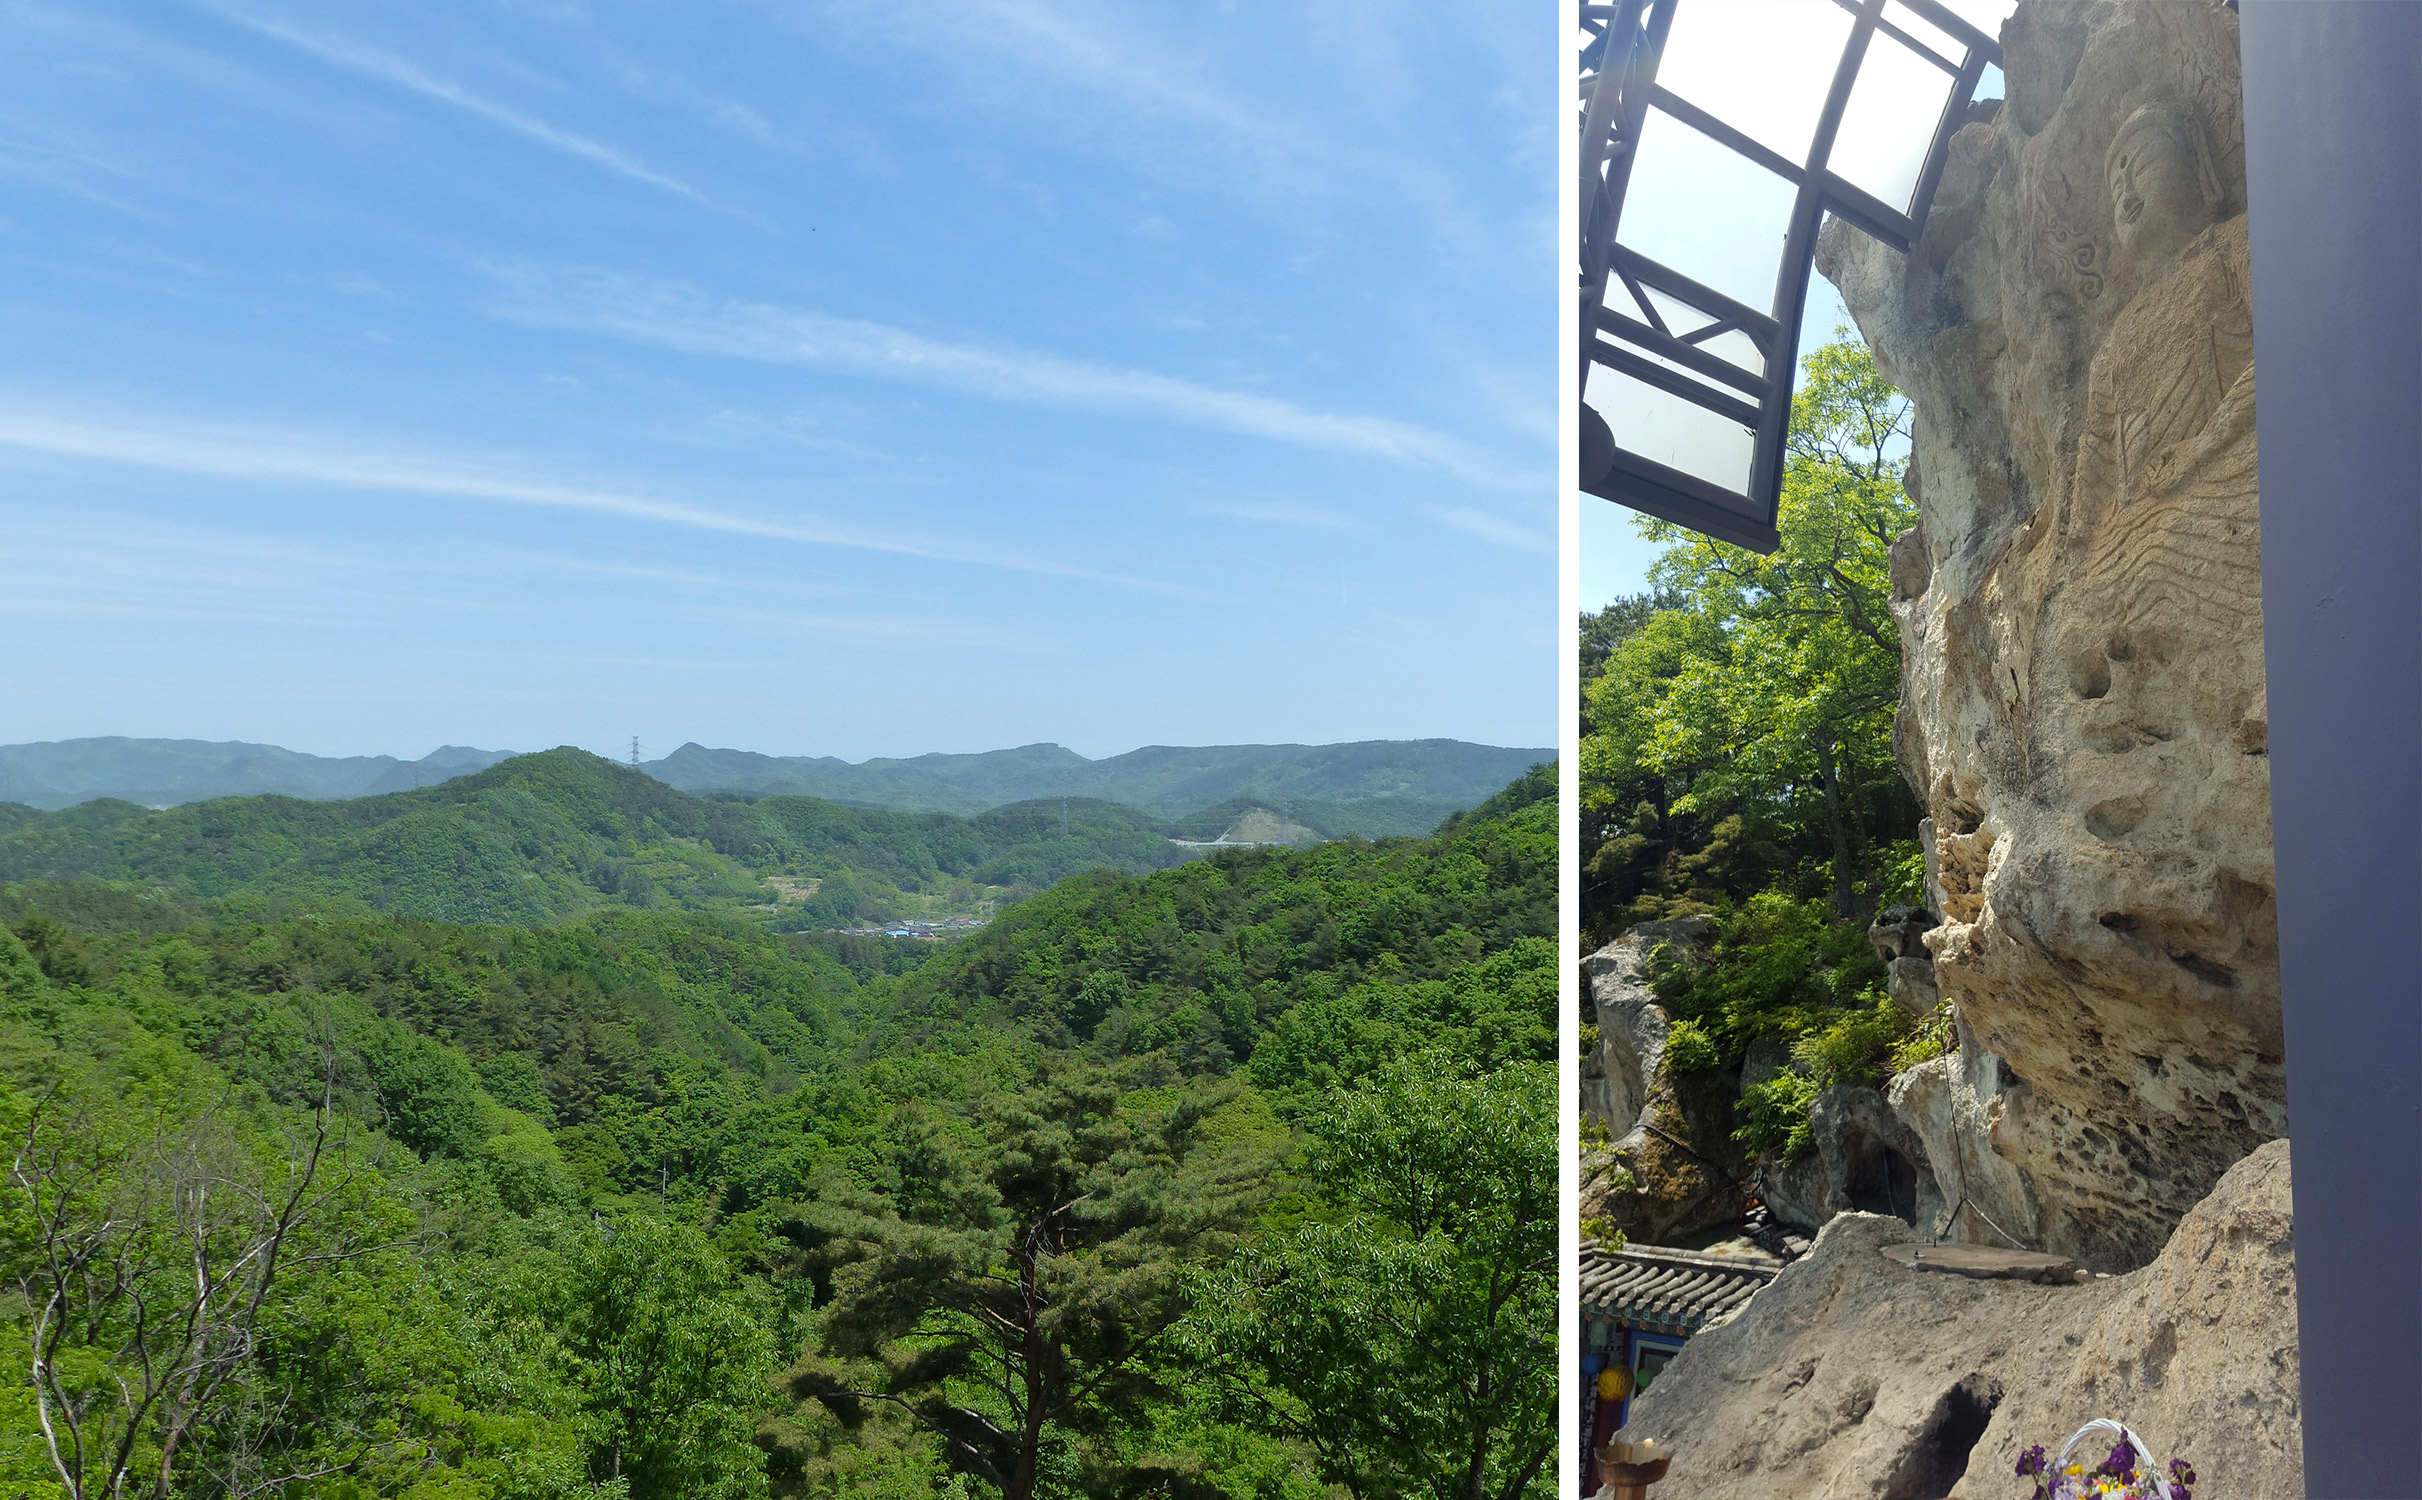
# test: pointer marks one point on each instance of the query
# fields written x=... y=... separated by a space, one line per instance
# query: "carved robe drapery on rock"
x=2083 y=709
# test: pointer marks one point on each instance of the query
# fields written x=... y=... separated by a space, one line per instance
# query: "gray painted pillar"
x=2333 y=128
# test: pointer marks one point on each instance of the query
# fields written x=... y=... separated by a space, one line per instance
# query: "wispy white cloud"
x=1282 y=513
x=109 y=567
x=376 y=62
x=278 y=458
x=1497 y=529
x=75 y=173
x=671 y=316
x=116 y=567
x=1054 y=54
x=517 y=559
x=1185 y=92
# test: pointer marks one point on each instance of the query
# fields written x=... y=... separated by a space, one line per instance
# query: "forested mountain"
x=1376 y=788
x=1230 y=1179
x=1166 y=780
x=162 y=773
x=541 y=837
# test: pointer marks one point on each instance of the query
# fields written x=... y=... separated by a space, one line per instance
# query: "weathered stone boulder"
x=1865 y=1159
x=1632 y=1028
x=1954 y=1105
x=1898 y=933
x=1851 y=1375
x=2082 y=699
x=1671 y=1133
x=1911 y=981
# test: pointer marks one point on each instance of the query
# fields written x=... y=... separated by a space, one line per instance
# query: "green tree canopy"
x=1742 y=725
x=1407 y=1338
x=1018 y=1268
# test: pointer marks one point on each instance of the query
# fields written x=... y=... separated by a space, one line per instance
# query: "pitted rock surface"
x=1852 y=1376
x=1673 y=1134
x=2080 y=606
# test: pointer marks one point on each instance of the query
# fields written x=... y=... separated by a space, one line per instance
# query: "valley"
x=635 y=1143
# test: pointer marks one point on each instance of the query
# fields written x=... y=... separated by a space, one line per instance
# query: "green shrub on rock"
x=1775 y=1112
x=1688 y=1049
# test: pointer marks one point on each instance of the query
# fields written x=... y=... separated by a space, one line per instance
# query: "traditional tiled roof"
x=1675 y=1292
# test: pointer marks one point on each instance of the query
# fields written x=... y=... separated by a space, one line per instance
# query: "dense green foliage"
x=1739 y=720
x=1398 y=1337
x=1311 y=967
x=656 y=1202
x=1737 y=758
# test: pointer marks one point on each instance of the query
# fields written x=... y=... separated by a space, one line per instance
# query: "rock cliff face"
x=2080 y=606
x=1672 y=1134
x=1852 y=1375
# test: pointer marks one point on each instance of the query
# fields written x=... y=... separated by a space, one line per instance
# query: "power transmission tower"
x=634 y=752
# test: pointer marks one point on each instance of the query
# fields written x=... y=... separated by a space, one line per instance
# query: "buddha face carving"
x=2161 y=183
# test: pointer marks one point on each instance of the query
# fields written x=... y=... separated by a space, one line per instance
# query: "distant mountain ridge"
x=53 y=774
x=1408 y=784
x=1166 y=780
x=539 y=838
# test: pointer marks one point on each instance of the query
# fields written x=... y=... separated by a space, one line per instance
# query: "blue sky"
x=835 y=378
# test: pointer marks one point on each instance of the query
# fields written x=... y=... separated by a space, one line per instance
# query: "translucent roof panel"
x=1664 y=428
x=1706 y=211
x=1889 y=127
x=1926 y=34
x=1985 y=15
x=1749 y=63
x=1685 y=236
x=1737 y=348
x=1683 y=320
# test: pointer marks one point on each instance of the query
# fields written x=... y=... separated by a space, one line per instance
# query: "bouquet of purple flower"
x=2127 y=1472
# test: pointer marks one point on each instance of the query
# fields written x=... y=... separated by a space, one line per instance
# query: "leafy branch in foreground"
x=146 y=1239
x=1410 y=1340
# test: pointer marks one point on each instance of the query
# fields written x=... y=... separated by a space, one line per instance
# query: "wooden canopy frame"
x=1625 y=43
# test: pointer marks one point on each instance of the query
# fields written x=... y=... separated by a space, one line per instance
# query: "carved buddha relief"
x=2164 y=471
x=2141 y=714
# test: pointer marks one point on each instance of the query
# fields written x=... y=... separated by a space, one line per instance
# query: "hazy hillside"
x=1367 y=817
x=541 y=837
x=163 y=773
x=1375 y=788
x=1170 y=781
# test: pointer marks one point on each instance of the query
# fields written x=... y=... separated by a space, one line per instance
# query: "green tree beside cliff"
x=1740 y=729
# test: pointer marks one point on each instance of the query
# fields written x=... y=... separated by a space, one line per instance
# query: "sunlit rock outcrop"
x=2083 y=709
x=1669 y=1166
x=1853 y=1375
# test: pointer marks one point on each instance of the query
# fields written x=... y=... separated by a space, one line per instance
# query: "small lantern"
x=1628 y=1469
